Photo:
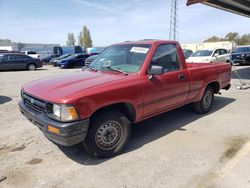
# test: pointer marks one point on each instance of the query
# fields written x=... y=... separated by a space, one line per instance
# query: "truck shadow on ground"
x=244 y=73
x=149 y=130
x=4 y=99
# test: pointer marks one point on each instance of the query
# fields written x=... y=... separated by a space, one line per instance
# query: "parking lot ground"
x=176 y=149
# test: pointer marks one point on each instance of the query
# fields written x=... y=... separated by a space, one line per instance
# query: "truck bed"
x=203 y=73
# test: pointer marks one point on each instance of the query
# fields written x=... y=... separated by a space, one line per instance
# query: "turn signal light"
x=53 y=129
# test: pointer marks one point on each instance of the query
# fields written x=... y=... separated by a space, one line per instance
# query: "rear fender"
x=214 y=83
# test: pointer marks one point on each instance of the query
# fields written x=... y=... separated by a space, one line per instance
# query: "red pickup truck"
x=127 y=83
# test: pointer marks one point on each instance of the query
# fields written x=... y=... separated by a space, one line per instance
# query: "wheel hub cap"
x=108 y=135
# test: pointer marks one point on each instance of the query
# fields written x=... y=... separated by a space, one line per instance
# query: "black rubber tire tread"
x=198 y=106
x=89 y=142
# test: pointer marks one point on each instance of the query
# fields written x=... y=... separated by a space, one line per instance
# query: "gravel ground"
x=176 y=149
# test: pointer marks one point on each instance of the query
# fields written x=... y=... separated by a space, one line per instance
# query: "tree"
x=244 y=39
x=5 y=41
x=232 y=36
x=84 y=38
x=71 y=39
x=213 y=39
x=80 y=39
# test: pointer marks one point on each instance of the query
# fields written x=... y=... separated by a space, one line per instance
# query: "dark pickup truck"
x=127 y=83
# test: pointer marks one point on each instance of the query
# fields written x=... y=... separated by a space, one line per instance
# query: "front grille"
x=34 y=103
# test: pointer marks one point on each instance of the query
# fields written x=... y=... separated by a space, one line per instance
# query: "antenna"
x=173 y=33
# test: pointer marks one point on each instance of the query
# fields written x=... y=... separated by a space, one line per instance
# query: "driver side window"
x=167 y=56
x=6 y=57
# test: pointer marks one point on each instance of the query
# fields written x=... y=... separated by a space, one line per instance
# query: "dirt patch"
x=18 y=149
x=17 y=178
x=234 y=145
x=34 y=161
x=4 y=148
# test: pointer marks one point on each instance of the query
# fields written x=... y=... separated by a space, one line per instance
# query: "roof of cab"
x=146 y=41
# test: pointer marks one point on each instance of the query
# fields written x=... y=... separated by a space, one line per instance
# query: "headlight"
x=65 y=113
x=57 y=110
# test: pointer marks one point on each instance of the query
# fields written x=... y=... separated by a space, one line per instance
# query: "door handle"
x=182 y=76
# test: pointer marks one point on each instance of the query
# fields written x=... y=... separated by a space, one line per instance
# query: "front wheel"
x=204 y=105
x=31 y=67
x=108 y=134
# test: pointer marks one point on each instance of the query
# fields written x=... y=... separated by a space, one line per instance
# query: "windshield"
x=242 y=49
x=72 y=56
x=200 y=53
x=64 y=56
x=126 y=57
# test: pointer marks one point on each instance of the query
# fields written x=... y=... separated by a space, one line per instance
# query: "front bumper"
x=70 y=133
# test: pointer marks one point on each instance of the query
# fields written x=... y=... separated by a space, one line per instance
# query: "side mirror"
x=216 y=54
x=156 y=70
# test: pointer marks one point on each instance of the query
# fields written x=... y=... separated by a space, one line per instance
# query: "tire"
x=31 y=67
x=108 y=134
x=204 y=105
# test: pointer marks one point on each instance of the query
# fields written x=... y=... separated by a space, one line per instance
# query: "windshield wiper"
x=90 y=67
x=117 y=70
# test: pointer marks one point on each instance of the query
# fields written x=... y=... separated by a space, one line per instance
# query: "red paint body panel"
x=90 y=91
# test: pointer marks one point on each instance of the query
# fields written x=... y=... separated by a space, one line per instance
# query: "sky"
x=111 y=21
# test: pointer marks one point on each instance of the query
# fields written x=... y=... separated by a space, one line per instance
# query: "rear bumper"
x=69 y=134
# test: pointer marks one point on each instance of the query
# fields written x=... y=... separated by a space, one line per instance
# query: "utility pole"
x=173 y=32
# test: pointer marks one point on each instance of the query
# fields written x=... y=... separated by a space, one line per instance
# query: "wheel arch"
x=125 y=107
x=215 y=85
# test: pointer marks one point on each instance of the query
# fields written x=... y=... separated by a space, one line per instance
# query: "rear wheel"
x=108 y=134
x=31 y=67
x=204 y=105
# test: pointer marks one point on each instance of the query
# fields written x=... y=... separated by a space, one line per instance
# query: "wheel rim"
x=109 y=135
x=207 y=100
x=32 y=67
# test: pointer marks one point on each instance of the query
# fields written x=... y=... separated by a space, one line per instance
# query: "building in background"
x=17 y=46
x=229 y=45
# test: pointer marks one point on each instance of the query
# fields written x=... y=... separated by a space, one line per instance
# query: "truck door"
x=170 y=89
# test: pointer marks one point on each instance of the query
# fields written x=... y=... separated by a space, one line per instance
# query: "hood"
x=198 y=59
x=60 y=89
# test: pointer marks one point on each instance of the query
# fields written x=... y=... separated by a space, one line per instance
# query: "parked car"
x=46 y=59
x=75 y=60
x=18 y=61
x=90 y=59
x=56 y=59
x=209 y=56
x=240 y=55
x=31 y=54
x=187 y=53
x=127 y=83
